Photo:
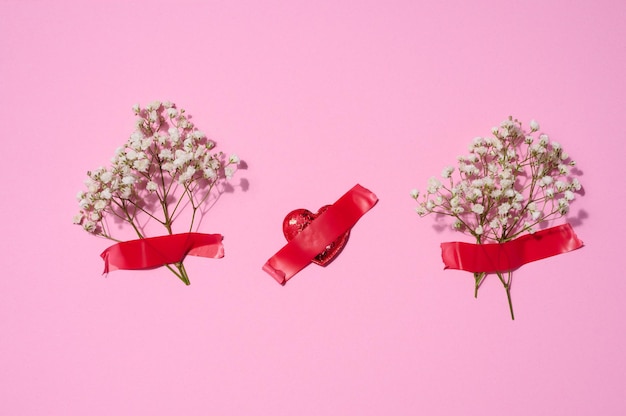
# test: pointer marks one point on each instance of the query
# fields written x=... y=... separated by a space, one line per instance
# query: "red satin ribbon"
x=507 y=256
x=152 y=252
x=336 y=220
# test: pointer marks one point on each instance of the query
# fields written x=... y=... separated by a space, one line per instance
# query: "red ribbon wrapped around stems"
x=147 y=253
x=332 y=223
x=511 y=255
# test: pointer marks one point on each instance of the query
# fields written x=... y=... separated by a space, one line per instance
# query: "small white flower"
x=421 y=211
x=154 y=105
x=199 y=153
x=479 y=230
x=106 y=177
x=128 y=180
x=166 y=154
x=106 y=193
x=504 y=208
x=534 y=126
x=89 y=226
x=141 y=165
x=511 y=154
x=100 y=204
x=131 y=154
x=506 y=183
x=174 y=135
x=188 y=144
x=160 y=138
x=234 y=159
x=182 y=158
x=478 y=183
x=169 y=167
x=187 y=174
x=433 y=185
x=415 y=193
x=92 y=186
x=126 y=192
x=546 y=180
x=151 y=186
x=447 y=172
x=474 y=193
x=78 y=218
x=209 y=173
x=197 y=135
x=481 y=150
x=468 y=169
x=478 y=209
x=213 y=163
x=135 y=137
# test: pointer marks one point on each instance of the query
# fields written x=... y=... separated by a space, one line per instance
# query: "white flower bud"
x=534 y=126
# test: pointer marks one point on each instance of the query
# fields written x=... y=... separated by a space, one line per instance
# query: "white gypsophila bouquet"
x=165 y=166
x=510 y=183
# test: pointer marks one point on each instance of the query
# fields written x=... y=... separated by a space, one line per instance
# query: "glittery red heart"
x=298 y=219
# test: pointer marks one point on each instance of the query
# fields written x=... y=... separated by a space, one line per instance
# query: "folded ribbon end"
x=210 y=247
x=278 y=275
x=105 y=257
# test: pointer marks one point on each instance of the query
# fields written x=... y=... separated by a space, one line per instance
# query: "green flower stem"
x=181 y=273
x=507 y=287
x=478 y=280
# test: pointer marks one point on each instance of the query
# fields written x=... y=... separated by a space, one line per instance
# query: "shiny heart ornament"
x=297 y=220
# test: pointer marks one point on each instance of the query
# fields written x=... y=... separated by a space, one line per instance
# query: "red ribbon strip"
x=336 y=220
x=507 y=256
x=147 y=253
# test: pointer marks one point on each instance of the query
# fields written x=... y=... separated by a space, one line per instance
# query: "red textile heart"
x=298 y=219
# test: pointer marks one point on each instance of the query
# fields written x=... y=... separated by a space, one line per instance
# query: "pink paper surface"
x=314 y=97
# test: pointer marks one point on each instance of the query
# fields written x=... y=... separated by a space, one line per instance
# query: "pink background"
x=315 y=97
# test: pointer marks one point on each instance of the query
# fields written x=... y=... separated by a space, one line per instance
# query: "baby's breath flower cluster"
x=166 y=163
x=508 y=184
